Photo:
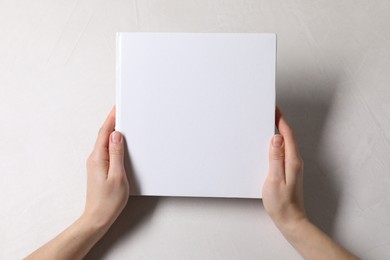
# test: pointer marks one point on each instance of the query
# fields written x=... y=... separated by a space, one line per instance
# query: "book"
x=197 y=111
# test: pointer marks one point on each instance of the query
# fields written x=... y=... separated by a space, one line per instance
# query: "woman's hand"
x=107 y=185
x=283 y=199
x=107 y=195
x=283 y=187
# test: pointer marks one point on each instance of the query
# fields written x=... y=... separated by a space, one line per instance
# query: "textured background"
x=57 y=84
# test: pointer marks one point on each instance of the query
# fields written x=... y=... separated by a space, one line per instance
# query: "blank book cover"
x=197 y=111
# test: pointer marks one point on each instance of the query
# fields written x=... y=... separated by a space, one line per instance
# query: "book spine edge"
x=118 y=83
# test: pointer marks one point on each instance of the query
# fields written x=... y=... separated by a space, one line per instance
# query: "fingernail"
x=116 y=137
x=277 y=141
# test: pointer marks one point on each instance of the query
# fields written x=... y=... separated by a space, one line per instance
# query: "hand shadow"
x=137 y=210
x=306 y=102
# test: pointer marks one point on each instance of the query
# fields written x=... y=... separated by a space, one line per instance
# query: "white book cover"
x=197 y=111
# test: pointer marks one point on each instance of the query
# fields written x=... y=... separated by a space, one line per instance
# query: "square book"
x=197 y=111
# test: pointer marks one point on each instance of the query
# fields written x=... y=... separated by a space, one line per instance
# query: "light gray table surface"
x=57 y=84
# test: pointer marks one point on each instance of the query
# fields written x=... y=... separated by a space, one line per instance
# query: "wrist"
x=290 y=227
x=93 y=223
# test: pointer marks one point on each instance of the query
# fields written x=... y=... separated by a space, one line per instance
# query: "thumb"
x=116 y=151
x=276 y=157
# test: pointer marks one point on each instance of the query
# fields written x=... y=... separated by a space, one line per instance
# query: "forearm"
x=73 y=243
x=311 y=242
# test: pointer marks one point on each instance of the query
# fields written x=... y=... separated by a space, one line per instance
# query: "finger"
x=293 y=161
x=291 y=149
x=276 y=158
x=101 y=145
x=116 y=152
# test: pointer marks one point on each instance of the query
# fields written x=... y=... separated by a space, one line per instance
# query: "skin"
x=107 y=195
x=283 y=199
x=108 y=192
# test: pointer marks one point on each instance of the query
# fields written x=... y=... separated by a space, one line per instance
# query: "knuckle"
x=116 y=149
x=101 y=130
x=89 y=162
x=92 y=161
x=278 y=155
x=296 y=164
x=275 y=180
x=121 y=177
x=89 y=159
